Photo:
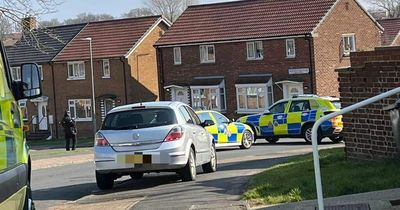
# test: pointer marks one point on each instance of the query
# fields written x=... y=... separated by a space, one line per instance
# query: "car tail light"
x=175 y=134
x=100 y=140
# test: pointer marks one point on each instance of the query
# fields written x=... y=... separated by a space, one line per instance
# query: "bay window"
x=208 y=98
x=254 y=98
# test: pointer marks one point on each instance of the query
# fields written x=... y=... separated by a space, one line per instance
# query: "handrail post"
x=314 y=137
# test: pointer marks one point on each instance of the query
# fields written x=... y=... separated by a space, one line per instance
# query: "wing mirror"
x=30 y=85
x=207 y=123
x=267 y=112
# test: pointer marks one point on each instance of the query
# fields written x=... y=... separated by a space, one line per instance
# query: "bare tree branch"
x=171 y=9
x=138 y=12
x=391 y=7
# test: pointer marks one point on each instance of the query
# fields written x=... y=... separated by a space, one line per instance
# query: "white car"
x=152 y=137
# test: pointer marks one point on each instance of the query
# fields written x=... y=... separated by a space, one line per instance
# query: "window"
x=290 y=48
x=106 y=69
x=207 y=54
x=80 y=109
x=16 y=73
x=279 y=108
x=208 y=98
x=76 y=70
x=221 y=119
x=193 y=115
x=24 y=109
x=204 y=116
x=253 y=98
x=185 y=115
x=255 y=50
x=300 y=106
x=177 y=56
x=41 y=71
x=349 y=44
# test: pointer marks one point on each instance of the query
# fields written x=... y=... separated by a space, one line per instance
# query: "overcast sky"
x=70 y=8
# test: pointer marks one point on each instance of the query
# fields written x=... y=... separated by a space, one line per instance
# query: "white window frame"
x=106 y=75
x=288 y=54
x=76 y=75
x=204 y=54
x=41 y=71
x=267 y=102
x=16 y=73
x=353 y=47
x=177 y=56
x=88 y=103
x=23 y=105
x=252 y=49
x=218 y=94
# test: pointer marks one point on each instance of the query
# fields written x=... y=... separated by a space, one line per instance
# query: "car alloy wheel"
x=247 y=140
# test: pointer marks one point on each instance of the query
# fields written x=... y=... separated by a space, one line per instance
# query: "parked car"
x=152 y=137
x=295 y=118
x=227 y=133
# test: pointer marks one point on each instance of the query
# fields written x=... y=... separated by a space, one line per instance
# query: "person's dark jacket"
x=69 y=126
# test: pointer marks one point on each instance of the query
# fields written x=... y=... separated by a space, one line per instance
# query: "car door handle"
x=194 y=132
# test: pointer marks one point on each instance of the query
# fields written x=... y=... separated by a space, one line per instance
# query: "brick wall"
x=231 y=61
x=367 y=131
x=347 y=17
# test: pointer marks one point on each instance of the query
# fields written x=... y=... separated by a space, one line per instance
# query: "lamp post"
x=93 y=90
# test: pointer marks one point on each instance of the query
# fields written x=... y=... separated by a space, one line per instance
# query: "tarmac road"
x=74 y=186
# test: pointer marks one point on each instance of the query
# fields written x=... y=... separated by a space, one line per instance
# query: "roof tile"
x=392 y=29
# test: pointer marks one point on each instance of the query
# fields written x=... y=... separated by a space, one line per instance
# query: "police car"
x=15 y=169
x=295 y=117
x=225 y=132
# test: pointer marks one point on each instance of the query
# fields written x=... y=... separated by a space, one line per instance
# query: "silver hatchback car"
x=152 y=137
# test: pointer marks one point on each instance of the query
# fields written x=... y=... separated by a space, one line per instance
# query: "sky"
x=70 y=8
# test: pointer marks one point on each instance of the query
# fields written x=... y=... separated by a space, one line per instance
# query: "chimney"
x=29 y=23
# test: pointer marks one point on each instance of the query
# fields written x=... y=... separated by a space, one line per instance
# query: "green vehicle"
x=15 y=167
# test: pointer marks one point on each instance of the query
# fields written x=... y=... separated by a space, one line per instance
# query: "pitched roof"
x=112 y=38
x=392 y=30
x=246 y=20
x=41 y=45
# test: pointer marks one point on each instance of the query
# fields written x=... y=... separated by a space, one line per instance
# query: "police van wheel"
x=272 y=140
x=307 y=134
x=189 y=172
x=29 y=205
x=247 y=140
x=104 y=181
x=212 y=165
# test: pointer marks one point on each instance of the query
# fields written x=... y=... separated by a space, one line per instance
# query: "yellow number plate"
x=134 y=159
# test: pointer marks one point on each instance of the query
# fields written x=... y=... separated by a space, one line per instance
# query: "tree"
x=50 y=23
x=171 y=9
x=391 y=7
x=88 y=17
x=138 y=12
x=6 y=28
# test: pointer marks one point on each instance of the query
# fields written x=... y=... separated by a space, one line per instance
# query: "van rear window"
x=139 y=118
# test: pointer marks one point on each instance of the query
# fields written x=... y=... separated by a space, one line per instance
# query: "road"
x=74 y=186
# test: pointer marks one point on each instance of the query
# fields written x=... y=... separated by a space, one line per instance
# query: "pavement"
x=378 y=200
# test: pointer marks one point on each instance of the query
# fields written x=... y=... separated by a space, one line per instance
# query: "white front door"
x=292 y=89
x=42 y=116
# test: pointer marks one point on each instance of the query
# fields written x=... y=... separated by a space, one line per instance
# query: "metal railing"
x=353 y=107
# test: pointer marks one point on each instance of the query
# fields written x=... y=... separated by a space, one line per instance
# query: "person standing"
x=70 y=131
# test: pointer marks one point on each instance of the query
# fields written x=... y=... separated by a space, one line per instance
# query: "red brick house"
x=391 y=35
x=239 y=57
x=125 y=70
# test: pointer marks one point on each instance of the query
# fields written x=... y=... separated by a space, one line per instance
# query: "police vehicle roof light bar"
x=314 y=137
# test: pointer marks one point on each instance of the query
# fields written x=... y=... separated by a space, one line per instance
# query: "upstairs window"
x=106 y=69
x=76 y=70
x=16 y=73
x=349 y=44
x=290 y=48
x=41 y=72
x=207 y=54
x=255 y=50
x=177 y=56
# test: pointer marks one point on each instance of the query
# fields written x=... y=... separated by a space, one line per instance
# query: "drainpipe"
x=55 y=123
x=309 y=38
x=160 y=65
x=122 y=59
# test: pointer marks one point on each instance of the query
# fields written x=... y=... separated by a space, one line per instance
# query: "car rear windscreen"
x=139 y=118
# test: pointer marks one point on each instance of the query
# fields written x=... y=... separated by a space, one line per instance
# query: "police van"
x=14 y=158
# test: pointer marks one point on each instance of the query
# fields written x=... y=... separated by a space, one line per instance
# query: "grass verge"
x=294 y=181
x=58 y=143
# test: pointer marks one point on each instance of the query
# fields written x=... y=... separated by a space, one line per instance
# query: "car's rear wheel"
x=188 y=172
x=28 y=204
x=212 y=165
x=307 y=134
x=247 y=140
x=336 y=139
x=104 y=181
x=272 y=140
x=136 y=175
